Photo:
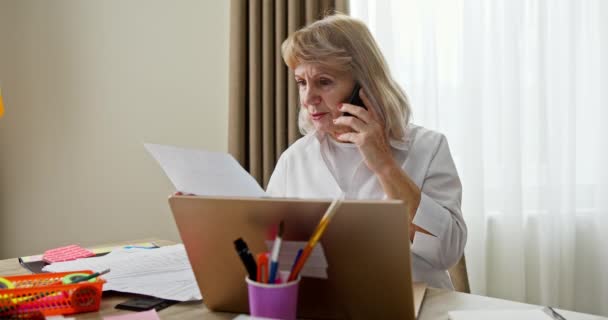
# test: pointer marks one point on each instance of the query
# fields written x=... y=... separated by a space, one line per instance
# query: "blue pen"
x=295 y=261
x=274 y=256
x=139 y=247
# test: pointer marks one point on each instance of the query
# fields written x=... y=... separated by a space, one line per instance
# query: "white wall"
x=85 y=83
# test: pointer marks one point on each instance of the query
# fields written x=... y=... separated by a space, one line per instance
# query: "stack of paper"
x=164 y=272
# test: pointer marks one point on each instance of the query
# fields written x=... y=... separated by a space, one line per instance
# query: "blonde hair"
x=344 y=44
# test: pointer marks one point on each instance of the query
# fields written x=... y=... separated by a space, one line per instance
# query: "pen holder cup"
x=275 y=301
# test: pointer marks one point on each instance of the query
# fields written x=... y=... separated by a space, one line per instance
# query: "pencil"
x=316 y=235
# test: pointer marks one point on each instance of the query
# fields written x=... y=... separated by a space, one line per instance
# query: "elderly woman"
x=369 y=151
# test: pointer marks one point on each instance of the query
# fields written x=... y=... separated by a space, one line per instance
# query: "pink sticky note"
x=67 y=253
x=143 y=315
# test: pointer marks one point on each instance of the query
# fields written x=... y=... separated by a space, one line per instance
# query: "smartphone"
x=355 y=99
x=145 y=303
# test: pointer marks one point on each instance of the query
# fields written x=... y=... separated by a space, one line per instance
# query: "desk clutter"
x=35 y=263
x=62 y=289
x=40 y=295
x=161 y=272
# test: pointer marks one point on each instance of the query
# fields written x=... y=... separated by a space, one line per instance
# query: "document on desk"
x=164 y=272
x=205 y=173
x=526 y=314
x=419 y=289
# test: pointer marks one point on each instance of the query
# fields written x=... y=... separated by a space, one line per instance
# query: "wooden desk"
x=435 y=306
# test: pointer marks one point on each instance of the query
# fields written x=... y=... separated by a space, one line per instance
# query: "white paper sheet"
x=164 y=272
x=205 y=173
x=531 y=314
x=316 y=265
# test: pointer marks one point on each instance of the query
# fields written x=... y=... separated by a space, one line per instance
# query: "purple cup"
x=275 y=301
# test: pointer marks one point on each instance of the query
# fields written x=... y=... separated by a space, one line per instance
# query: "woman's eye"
x=300 y=83
x=325 y=82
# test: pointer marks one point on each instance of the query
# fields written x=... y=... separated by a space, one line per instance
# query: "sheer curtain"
x=518 y=87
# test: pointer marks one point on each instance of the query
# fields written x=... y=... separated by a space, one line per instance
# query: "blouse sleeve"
x=439 y=213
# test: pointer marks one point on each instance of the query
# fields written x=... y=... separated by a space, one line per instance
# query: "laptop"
x=366 y=245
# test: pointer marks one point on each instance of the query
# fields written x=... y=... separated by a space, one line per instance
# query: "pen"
x=263 y=267
x=295 y=261
x=555 y=315
x=139 y=247
x=333 y=208
x=274 y=257
x=89 y=277
x=246 y=257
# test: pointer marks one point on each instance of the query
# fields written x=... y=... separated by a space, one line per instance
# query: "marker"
x=274 y=257
x=263 y=267
x=333 y=208
x=246 y=257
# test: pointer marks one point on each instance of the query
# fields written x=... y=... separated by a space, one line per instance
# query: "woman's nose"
x=310 y=96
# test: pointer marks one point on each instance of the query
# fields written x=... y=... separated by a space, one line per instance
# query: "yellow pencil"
x=316 y=235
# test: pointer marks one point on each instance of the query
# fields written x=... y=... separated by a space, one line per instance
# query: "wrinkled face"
x=321 y=93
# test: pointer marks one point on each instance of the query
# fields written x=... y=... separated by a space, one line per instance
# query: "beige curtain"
x=263 y=95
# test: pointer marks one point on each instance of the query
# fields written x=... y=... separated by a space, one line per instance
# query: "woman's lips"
x=318 y=115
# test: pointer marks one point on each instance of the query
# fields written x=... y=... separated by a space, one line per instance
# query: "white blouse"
x=308 y=169
x=342 y=160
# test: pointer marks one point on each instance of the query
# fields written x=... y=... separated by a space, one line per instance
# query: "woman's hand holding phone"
x=355 y=99
x=367 y=133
